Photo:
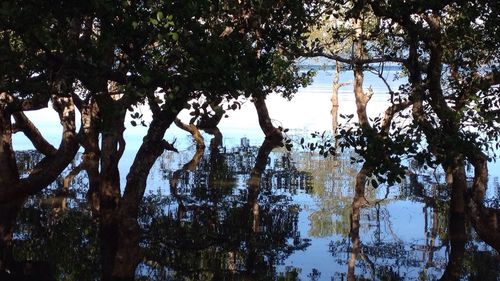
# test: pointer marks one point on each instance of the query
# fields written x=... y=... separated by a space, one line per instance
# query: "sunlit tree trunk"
x=209 y=123
x=91 y=155
x=265 y=122
x=193 y=130
x=335 y=99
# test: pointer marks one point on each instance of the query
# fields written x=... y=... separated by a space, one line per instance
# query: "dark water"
x=206 y=216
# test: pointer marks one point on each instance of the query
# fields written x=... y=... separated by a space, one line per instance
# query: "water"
x=216 y=222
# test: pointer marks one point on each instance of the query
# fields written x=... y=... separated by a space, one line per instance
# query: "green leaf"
x=159 y=15
x=153 y=21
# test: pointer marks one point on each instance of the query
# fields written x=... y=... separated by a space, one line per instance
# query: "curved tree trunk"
x=358 y=203
x=486 y=221
x=45 y=171
x=193 y=130
x=265 y=123
x=173 y=181
x=128 y=254
x=13 y=189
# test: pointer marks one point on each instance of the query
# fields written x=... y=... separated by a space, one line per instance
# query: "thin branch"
x=314 y=54
x=169 y=146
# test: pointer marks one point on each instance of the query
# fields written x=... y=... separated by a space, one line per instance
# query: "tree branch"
x=315 y=54
x=33 y=134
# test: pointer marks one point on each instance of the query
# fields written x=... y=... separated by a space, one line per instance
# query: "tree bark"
x=486 y=221
x=335 y=99
x=193 y=130
x=359 y=201
x=265 y=121
x=8 y=216
x=91 y=155
x=362 y=99
x=112 y=147
x=33 y=134
x=456 y=225
x=50 y=167
x=9 y=173
x=128 y=253
x=109 y=199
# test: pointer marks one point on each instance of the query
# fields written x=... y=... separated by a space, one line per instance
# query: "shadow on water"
x=249 y=213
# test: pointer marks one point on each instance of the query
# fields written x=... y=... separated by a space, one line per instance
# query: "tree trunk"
x=456 y=226
x=91 y=155
x=486 y=221
x=193 y=130
x=8 y=217
x=335 y=99
x=112 y=147
x=9 y=173
x=49 y=168
x=358 y=202
x=252 y=211
x=265 y=121
x=359 y=53
x=128 y=254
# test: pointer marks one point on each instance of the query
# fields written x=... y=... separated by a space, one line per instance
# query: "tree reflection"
x=450 y=250
x=54 y=236
x=240 y=234
x=232 y=214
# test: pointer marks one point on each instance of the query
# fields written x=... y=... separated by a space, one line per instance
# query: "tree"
x=114 y=55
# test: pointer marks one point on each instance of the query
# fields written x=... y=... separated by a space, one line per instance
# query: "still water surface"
x=206 y=217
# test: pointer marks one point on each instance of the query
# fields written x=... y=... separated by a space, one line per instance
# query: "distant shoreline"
x=332 y=67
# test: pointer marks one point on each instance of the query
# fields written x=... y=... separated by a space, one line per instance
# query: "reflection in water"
x=223 y=230
x=249 y=213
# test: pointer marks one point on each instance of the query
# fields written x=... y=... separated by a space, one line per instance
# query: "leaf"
x=175 y=36
x=153 y=21
x=159 y=15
